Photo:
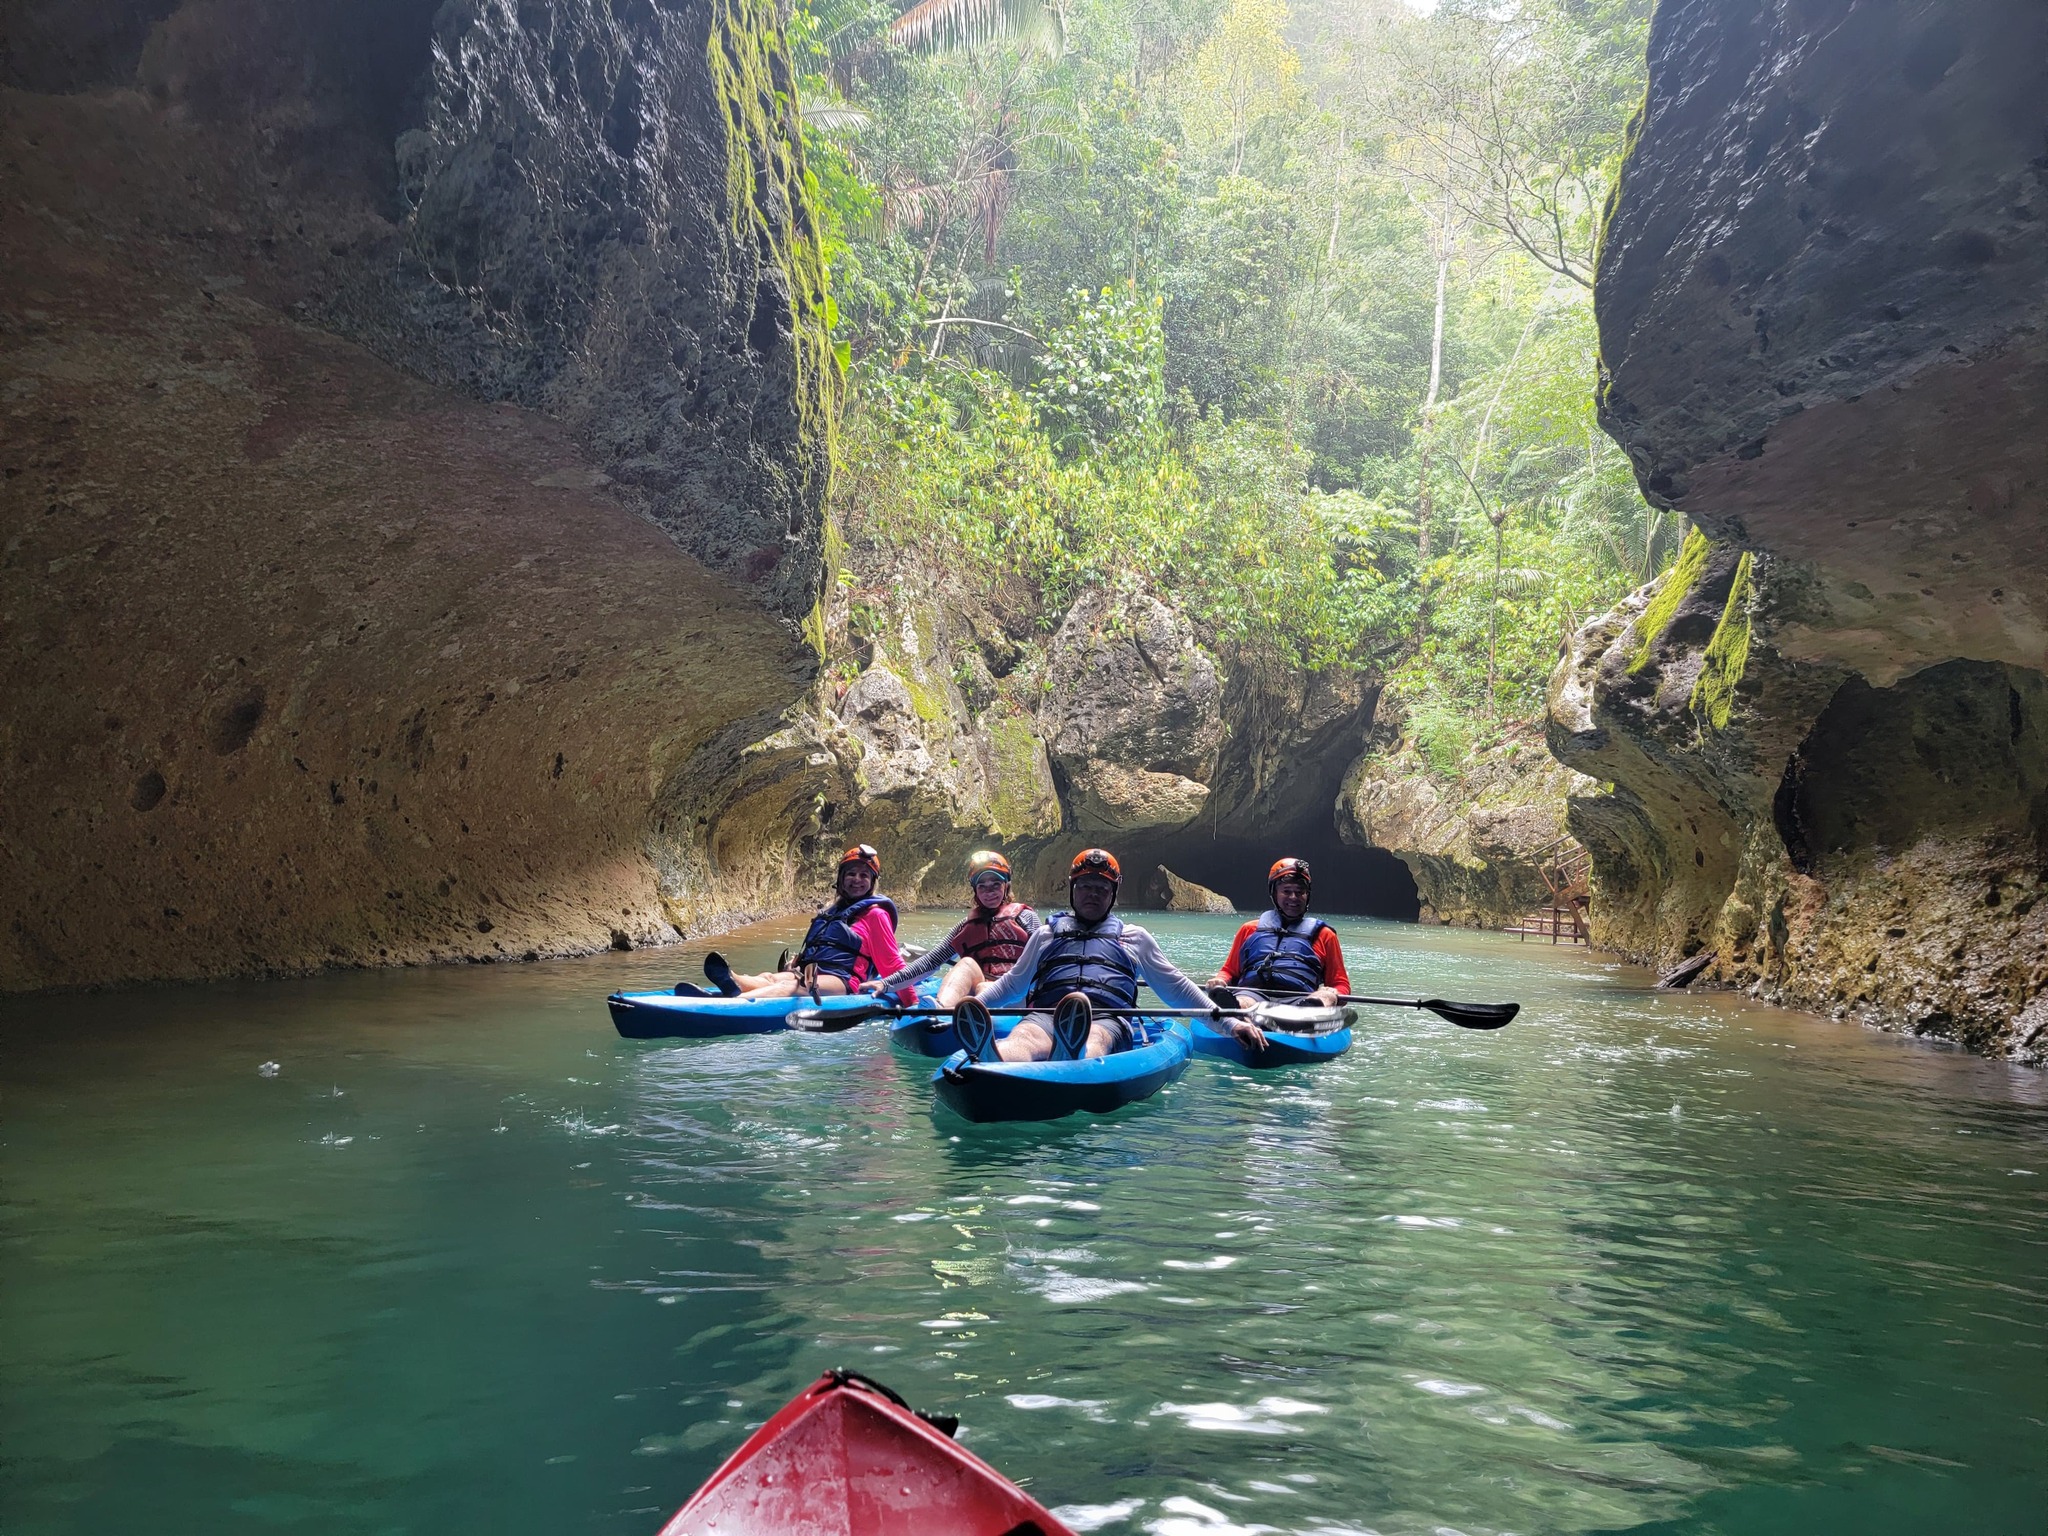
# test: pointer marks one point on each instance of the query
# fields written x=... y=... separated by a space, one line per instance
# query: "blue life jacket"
x=832 y=945
x=1279 y=958
x=1088 y=960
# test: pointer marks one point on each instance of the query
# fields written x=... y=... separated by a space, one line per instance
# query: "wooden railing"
x=1567 y=871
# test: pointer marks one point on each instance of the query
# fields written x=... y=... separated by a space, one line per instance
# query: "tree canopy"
x=1283 y=312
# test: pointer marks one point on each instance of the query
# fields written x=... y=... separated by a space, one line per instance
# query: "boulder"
x=1132 y=716
x=1174 y=894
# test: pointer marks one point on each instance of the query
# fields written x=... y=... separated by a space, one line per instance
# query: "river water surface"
x=468 y=1262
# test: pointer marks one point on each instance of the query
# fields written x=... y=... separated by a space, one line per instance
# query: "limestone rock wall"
x=1823 y=319
x=1476 y=841
x=946 y=721
x=1825 y=335
x=1871 y=852
x=411 y=455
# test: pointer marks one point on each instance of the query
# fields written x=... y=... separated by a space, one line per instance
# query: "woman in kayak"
x=1284 y=953
x=851 y=941
x=985 y=945
x=1080 y=961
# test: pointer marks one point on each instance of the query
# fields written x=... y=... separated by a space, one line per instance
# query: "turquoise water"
x=469 y=1262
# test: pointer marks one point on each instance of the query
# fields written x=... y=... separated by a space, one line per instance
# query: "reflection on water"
x=468 y=1261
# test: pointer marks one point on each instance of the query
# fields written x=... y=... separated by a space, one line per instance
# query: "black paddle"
x=821 y=1021
x=1464 y=1015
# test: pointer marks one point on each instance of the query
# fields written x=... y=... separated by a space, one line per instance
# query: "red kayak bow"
x=848 y=1457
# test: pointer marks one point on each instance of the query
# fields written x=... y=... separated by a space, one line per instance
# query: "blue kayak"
x=664 y=1016
x=983 y=1091
x=1282 y=1048
x=935 y=1037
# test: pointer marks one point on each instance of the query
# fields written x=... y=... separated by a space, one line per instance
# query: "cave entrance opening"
x=1359 y=882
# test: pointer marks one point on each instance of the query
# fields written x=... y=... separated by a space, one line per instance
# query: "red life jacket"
x=993 y=940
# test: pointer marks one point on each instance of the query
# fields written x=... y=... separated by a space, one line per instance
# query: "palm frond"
x=836 y=117
x=942 y=26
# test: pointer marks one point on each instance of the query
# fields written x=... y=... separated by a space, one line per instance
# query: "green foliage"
x=1443 y=734
x=1159 y=306
x=1099 y=376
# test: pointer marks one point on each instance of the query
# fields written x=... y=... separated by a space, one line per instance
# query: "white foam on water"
x=1188 y=1518
x=1057 y=1286
x=1217 y=1261
x=1038 y=1402
x=1437 y=1388
x=1265 y=1417
x=1093 y=1517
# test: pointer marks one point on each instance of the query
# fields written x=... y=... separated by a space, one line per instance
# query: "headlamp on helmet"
x=1282 y=868
x=1099 y=862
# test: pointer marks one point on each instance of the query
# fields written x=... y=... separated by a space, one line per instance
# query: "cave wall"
x=416 y=418
x=950 y=717
x=1476 y=840
x=1821 y=302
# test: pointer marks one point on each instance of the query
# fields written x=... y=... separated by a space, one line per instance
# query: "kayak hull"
x=664 y=1016
x=1282 y=1049
x=935 y=1038
x=845 y=1458
x=990 y=1091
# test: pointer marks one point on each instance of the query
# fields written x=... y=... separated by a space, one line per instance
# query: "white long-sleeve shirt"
x=1165 y=978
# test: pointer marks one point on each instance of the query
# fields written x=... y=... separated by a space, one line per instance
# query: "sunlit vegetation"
x=1285 y=314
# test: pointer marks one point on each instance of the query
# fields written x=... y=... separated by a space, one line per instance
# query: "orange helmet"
x=861 y=853
x=1282 y=868
x=1099 y=862
x=987 y=863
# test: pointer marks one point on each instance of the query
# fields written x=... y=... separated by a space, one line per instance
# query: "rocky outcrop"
x=1477 y=841
x=1826 y=341
x=414 y=429
x=1822 y=317
x=1170 y=893
x=949 y=719
x=1872 y=852
x=1132 y=715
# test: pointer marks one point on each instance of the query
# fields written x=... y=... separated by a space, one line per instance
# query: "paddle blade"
x=1472 y=1015
x=827 y=1021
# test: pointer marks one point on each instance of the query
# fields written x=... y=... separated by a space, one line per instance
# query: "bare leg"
x=775 y=984
x=1027 y=1042
x=1102 y=1039
x=961 y=983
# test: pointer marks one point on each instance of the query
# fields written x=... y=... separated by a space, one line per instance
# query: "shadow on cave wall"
x=1361 y=882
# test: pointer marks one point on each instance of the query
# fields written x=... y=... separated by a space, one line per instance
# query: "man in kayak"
x=850 y=942
x=985 y=945
x=1284 y=953
x=1081 y=960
